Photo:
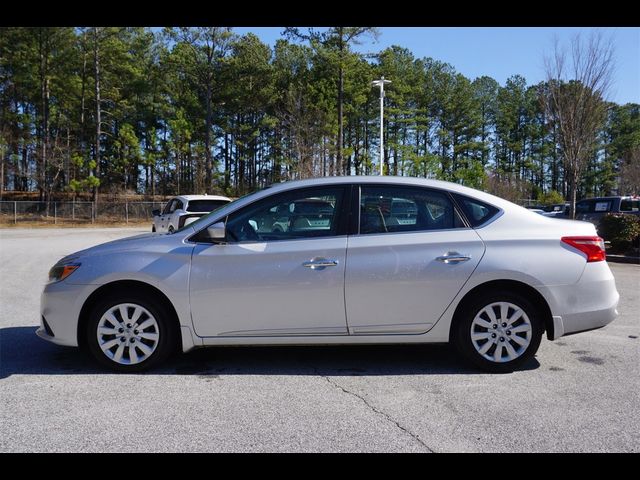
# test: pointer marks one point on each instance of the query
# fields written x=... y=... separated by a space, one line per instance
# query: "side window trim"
x=353 y=227
x=458 y=208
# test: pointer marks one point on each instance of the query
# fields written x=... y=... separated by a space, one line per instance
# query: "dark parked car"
x=556 y=210
x=593 y=209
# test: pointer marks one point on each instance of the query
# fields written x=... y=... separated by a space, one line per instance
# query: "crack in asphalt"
x=379 y=412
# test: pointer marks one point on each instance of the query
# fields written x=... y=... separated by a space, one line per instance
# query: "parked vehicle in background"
x=376 y=260
x=299 y=215
x=183 y=210
x=556 y=210
x=594 y=209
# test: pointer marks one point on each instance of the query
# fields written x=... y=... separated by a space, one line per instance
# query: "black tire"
x=500 y=338
x=153 y=229
x=164 y=328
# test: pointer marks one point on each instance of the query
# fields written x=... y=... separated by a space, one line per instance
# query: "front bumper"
x=60 y=305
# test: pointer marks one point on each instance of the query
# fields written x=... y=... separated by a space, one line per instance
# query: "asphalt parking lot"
x=580 y=393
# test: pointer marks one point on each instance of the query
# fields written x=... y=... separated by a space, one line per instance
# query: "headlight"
x=60 y=271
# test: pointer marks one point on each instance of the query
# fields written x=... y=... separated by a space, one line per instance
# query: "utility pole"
x=380 y=83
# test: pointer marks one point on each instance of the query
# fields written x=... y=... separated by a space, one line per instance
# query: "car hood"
x=135 y=242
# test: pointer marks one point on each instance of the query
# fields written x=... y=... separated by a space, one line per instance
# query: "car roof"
x=612 y=197
x=390 y=180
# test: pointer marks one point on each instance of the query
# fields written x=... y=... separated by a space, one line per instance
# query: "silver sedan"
x=347 y=260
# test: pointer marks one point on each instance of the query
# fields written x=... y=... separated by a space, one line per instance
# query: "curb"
x=623 y=259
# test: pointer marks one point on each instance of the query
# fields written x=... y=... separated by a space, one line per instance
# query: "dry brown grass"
x=68 y=223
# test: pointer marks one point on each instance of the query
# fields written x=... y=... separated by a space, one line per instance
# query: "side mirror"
x=217 y=231
x=155 y=213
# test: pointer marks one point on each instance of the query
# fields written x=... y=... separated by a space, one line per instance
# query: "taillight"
x=593 y=247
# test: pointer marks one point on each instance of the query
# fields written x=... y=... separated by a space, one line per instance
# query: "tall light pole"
x=380 y=83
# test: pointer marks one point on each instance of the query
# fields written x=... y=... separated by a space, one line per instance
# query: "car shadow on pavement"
x=23 y=353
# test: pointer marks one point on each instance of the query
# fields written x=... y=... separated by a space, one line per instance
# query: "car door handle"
x=319 y=263
x=453 y=257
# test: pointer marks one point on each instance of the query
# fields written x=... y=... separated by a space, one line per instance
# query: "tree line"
x=107 y=110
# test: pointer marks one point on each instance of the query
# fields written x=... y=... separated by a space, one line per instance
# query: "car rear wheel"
x=499 y=332
x=129 y=334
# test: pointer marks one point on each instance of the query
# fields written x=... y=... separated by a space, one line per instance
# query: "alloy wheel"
x=128 y=334
x=501 y=332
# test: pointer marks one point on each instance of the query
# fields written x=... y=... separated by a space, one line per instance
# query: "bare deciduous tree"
x=578 y=82
x=630 y=173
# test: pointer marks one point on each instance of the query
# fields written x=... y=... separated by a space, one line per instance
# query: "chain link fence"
x=16 y=212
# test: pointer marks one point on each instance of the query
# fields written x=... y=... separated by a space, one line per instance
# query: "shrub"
x=550 y=198
x=623 y=231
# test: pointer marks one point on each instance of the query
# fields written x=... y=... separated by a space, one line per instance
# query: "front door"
x=276 y=274
x=412 y=256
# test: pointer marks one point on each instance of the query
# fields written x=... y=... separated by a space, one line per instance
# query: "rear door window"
x=391 y=209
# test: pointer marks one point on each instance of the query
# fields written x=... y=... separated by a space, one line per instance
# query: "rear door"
x=411 y=257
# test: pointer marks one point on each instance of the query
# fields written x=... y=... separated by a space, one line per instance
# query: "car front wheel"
x=128 y=334
x=500 y=332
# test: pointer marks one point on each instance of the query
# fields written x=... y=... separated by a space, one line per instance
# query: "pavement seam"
x=379 y=412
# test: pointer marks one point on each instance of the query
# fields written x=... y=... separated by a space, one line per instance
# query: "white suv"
x=183 y=210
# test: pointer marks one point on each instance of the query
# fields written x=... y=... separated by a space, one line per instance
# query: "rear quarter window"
x=477 y=212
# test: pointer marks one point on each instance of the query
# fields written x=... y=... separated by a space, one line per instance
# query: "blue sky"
x=500 y=52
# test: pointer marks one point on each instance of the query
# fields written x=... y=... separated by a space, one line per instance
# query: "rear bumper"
x=585 y=321
x=581 y=323
x=588 y=304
